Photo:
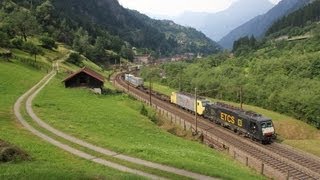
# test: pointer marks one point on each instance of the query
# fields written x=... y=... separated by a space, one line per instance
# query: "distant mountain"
x=217 y=25
x=188 y=39
x=260 y=24
x=100 y=16
x=135 y=28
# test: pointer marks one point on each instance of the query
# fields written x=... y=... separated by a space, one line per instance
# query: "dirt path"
x=31 y=94
x=65 y=147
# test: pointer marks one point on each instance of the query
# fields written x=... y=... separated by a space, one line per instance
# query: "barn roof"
x=88 y=71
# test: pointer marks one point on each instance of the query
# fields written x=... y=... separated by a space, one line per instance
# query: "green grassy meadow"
x=113 y=121
x=48 y=162
x=291 y=131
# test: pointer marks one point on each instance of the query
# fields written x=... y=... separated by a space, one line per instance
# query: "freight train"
x=248 y=123
x=133 y=80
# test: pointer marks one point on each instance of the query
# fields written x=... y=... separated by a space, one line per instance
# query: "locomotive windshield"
x=204 y=103
x=267 y=124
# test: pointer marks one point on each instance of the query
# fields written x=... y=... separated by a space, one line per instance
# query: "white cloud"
x=175 y=7
x=275 y=1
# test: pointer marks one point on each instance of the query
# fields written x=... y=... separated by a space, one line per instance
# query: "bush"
x=10 y=153
x=48 y=42
x=32 y=49
x=17 y=43
x=74 y=58
x=144 y=111
x=5 y=54
x=4 y=40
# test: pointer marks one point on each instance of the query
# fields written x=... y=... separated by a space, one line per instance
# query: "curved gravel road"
x=36 y=89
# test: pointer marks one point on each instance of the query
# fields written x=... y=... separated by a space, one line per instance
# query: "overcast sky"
x=176 y=7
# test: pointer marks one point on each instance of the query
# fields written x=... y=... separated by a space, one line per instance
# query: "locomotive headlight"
x=269 y=131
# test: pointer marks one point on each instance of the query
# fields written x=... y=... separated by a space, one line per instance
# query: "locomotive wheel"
x=235 y=130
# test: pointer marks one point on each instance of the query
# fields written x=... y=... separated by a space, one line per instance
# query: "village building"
x=85 y=77
x=144 y=59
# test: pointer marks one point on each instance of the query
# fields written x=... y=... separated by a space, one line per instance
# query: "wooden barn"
x=85 y=77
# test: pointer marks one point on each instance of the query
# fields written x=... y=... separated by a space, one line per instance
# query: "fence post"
x=262 y=168
x=247 y=161
x=234 y=154
x=288 y=175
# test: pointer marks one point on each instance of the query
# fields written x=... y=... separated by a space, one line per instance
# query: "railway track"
x=287 y=161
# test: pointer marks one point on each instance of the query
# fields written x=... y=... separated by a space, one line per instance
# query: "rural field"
x=47 y=161
x=114 y=121
x=69 y=110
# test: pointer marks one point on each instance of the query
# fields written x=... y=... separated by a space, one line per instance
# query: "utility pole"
x=180 y=82
x=128 y=86
x=150 y=91
x=241 y=97
x=196 y=109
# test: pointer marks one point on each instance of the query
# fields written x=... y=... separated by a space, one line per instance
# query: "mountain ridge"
x=100 y=16
x=216 y=25
x=260 y=24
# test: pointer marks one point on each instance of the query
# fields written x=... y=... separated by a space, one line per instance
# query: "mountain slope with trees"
x=280 y=75
x=95 y=16
x=260 y=24
x=102 y=30
x=298 y=19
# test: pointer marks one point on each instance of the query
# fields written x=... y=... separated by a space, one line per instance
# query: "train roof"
x=132 y=76
x=200 y=98
x=248 y=114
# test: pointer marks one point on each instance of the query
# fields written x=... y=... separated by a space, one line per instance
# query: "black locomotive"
x=248 y=123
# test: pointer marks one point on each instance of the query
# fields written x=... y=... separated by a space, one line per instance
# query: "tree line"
x=299 y=18
x=283 y=76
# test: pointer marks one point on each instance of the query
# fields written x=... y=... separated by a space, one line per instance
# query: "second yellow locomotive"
x=187 y=101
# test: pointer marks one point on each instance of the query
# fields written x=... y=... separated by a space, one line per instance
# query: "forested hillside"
x=283 y=76
x=260 y=24
x=97 y=25
x=298 y=19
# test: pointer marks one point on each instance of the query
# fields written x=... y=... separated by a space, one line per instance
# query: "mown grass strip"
x=48 y=162
x=97 y=154
x=115 y=123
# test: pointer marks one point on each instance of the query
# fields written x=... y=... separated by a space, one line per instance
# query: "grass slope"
x=48 y=162
x=114 y=121
x=291 y=131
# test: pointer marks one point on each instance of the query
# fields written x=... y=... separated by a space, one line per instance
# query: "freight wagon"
x=187 y=101
x=135 y=81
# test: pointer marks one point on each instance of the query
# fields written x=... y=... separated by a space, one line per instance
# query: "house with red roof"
x=85 y=77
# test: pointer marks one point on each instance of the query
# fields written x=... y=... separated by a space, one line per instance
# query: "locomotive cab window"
x=204 y=103
x=266 y=124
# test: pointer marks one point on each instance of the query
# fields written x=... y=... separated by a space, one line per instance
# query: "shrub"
x=48 y=42
x=144 y=111
x=74 y=58
x=10 y=153
x=17 y=43
x=4 y=40
x=32 y=49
